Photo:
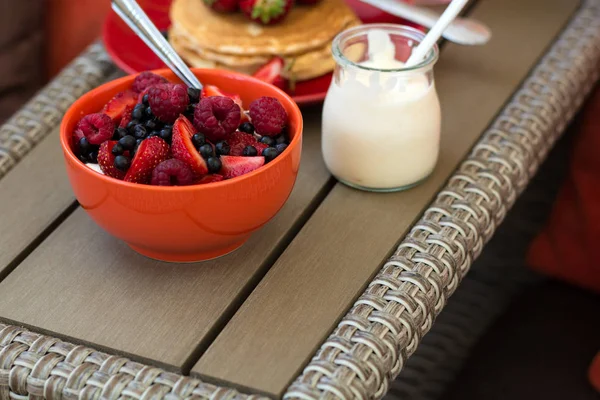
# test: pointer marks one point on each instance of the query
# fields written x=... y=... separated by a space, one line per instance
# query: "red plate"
x=132 y=55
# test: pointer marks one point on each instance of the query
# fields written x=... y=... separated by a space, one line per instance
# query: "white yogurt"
x=94 y=167
x=381 y=130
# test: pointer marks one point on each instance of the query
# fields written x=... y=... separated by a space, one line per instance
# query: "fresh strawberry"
x=211 y=90
x=238 y=140
x=106 y=160
x=183 y=149
x=117 y=106
x=210 y=179
x=126 y=117
x=271 y=72
x=222 y=6
x=233 y=166
x=266 y=12
x=150 y=153
x=142 y=94
x=76 y=137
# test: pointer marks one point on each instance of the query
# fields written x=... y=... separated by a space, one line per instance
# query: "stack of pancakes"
x=207 y=39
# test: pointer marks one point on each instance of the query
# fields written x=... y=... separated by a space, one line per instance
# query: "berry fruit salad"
x=166 y=134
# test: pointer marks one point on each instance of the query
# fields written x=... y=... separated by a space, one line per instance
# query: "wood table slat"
x=329 y=263
x=83 y=284
x=32 y=196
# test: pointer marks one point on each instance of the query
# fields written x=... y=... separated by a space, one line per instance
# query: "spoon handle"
x=138 y=21
x=451 y=12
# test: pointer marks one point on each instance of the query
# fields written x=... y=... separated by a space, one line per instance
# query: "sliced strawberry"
x=77 y=135
x=126 y=117
x=210 y=179
x=233 y=166
x=117 y=106
x=150 y=153
x=238 y=140
x=271 y=72
x=211 y=90
x=143 y=93
x=106 y=160
x=183 y=149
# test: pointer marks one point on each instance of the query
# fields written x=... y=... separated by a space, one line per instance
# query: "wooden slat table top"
x=83 y=284
x=342 y=246
x=63 y=275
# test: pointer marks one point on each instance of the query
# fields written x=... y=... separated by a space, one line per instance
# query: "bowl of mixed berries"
x=182 y=174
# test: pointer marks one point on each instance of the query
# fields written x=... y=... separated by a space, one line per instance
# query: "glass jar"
x=381 y=121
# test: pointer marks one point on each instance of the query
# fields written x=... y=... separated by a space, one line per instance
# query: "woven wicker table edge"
x=44 y=112
x=373 y=341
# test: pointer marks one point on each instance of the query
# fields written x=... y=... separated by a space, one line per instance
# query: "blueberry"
x=270 y=153
x=281 y=147
x=121 y=163
x=84 y=146
x=93 y=157
x=222 y=148
x=250 y=151
x=139 y=132
x=127 y=142
x=206 y=150
x=193 y=94
x=189 y=112
x=198 y=140
x=154 y=133
x=137 y=144
x=281 y=139
x=165 y=134
x=83 y=158
x=269 y=141
x=247 y=127
x=132 y=124
x=150 y=125
x=117 y=149
x=121 y=133
x=145 y=99
x=169 y=127
x=214 y=164
x=138 y=111
x=148 y=113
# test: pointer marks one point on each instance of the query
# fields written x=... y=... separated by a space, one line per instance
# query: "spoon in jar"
x=133 y=15
x=465 y=31
x=434 y=34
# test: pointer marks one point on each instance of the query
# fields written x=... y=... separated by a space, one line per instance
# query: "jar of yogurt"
x=381 y=120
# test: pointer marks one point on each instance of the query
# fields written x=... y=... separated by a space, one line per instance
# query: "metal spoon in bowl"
x=133 y=15
x=464 y=31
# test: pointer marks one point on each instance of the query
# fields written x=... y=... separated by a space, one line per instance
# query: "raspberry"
x=216 y=117
x=145 y=80
x=172 y=173
x=97 y=128
x=167 y=101
x=268 y=116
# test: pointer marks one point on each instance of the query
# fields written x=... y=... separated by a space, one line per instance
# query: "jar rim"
x=397 y=29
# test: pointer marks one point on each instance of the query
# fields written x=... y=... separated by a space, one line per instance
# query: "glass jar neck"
x=351 y=49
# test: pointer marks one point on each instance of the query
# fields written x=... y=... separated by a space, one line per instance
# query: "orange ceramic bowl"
x=188 y=223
